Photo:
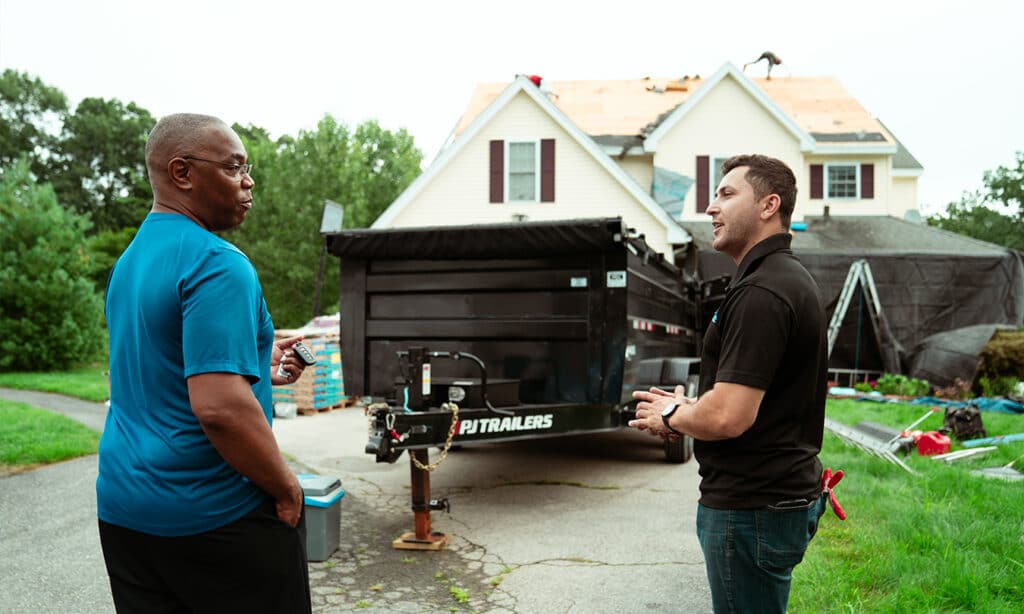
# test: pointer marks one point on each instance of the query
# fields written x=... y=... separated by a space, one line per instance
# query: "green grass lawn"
x=87 y=383
x=30 y=436
x=942 y=541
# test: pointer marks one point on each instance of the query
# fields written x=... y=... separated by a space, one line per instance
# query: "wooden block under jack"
x=408 y=541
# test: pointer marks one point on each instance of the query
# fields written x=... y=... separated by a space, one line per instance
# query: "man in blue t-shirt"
x=198 y=511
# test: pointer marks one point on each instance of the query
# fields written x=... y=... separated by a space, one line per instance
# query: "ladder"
x=859 y=274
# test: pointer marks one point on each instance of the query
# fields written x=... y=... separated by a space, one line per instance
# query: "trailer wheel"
x=679 y=450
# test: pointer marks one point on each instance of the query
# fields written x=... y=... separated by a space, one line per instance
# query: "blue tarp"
x=1003 y=406
x=669 y=190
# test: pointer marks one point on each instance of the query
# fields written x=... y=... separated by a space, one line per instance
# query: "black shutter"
x=547 y=170
x=817 y=181
x=497 y=171
x=867 y=180
x=703 y=179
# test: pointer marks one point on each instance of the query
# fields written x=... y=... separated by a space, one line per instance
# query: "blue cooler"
x=323 y=514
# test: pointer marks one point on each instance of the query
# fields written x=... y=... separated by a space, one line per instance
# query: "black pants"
x=255 y=564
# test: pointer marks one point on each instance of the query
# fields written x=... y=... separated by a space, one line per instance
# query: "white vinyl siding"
x=522 y=171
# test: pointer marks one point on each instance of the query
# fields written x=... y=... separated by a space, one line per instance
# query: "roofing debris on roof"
x=819 y=105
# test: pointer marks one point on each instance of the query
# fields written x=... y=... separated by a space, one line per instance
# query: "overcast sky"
x=945 y=77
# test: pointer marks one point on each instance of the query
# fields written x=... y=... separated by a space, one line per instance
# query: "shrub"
x=1003 y=355
x=50 y=314
x=902 y=385
x=958 y=391
x=998 y=386
x=104 y=249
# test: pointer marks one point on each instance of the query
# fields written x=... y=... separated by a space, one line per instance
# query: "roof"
x=868 y=234
x=818 y=106
x=903 y=159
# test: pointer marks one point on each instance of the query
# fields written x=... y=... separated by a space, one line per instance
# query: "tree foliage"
x=30 y=113
x=94 y=158
x=975 y=215
x=50 y=313
x=105 y=248
x=100 y=168
x=1005 y=186
x=364 y=170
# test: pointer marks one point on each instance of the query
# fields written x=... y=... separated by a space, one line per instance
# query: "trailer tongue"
x=481 y=334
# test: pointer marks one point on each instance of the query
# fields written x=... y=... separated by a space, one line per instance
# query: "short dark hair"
x=768 y=176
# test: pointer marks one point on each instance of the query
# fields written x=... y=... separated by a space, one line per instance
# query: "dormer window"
x=521 y=171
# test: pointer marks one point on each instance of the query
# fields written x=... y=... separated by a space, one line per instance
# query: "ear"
x=770 y=206
x=179 y=171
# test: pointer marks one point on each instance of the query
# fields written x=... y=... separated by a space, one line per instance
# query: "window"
x=842 y=181
x=522 y=171
x=716 y=173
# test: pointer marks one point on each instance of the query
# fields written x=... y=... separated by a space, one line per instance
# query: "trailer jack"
x=423 y=538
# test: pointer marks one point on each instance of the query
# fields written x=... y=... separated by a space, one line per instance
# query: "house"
x=650 y=150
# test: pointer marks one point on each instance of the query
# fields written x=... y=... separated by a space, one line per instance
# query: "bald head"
x=197 y=168
x=176 y=135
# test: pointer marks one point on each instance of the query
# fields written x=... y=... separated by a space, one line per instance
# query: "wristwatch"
x=667 y=413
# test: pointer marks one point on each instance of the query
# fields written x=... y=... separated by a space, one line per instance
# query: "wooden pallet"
x=342 y=404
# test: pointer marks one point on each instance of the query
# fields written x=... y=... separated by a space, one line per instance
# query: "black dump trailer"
x=526 y=330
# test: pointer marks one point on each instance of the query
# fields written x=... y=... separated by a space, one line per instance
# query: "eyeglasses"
x=235 y=169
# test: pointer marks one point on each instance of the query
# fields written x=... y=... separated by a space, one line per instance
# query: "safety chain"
x=447 y=444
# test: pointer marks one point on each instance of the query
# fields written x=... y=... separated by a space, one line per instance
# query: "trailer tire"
x=679 y=450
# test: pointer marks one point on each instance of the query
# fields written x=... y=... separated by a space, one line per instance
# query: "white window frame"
x=715 y=163
x=856 y=178
x=536 y=169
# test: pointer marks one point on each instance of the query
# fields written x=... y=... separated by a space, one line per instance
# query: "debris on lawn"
x=951 y=457
x=869 y=444
x=1006 y=472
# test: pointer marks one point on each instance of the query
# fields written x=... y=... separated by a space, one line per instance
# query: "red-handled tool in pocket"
x=828 y=482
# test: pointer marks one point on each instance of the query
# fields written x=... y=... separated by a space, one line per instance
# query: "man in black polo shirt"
x=759 y=418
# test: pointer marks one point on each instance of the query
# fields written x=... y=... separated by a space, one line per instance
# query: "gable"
x=726 y=122
x=728 y=73
x=584 y=188
x=519 y=118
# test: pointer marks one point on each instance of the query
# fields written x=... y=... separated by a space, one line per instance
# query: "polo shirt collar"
x=770 y=245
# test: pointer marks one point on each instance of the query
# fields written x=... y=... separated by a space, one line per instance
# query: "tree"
x=50 y=314
x=365 y=171
x=1005 y=185
x=975 y=214
x=105 y=247
x=101 y=166
x=30 y=114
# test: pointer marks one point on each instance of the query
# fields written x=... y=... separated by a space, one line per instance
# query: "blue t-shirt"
x=181 y=301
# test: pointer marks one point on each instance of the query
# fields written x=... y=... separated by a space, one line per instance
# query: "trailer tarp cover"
x=524 y=239
x=928 y=280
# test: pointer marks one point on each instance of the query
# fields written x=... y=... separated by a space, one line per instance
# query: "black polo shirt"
x=769 y=333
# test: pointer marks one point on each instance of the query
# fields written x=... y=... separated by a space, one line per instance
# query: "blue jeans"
x=750 y=554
